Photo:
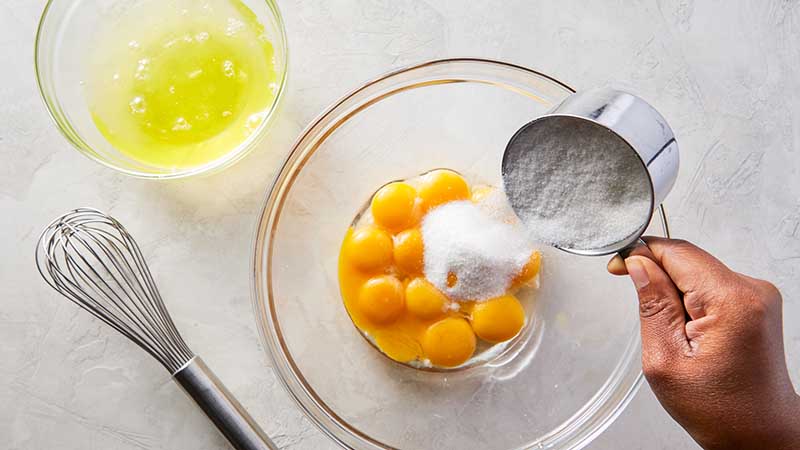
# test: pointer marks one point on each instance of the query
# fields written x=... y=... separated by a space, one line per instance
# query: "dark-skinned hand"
x=712 y=347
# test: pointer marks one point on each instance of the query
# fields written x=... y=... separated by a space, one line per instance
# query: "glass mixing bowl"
x=64 y=41
x=563 y=381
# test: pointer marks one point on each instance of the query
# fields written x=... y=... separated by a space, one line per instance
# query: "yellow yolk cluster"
x=387 y=296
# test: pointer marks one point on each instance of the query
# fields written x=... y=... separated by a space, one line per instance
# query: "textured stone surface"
x=722 y=72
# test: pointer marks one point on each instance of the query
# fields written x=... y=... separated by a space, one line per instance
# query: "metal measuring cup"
x=640 y=129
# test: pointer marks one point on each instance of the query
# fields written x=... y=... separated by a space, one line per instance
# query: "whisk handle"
x=221 y=407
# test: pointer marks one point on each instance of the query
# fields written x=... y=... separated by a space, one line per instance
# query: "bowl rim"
x=64 y=126
x=327 y=420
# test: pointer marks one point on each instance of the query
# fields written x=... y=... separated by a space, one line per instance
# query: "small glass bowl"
x=62 y=51
x=557 y=386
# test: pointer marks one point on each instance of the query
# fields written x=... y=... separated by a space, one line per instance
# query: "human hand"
x=712 y=347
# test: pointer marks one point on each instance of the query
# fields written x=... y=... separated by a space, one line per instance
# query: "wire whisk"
x=91 y=259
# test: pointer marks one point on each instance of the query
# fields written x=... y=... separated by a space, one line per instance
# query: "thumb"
x=661 y=312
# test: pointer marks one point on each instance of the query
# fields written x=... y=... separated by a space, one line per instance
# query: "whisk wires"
x=91 y=259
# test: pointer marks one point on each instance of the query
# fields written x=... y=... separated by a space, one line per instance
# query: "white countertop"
x=724 y=73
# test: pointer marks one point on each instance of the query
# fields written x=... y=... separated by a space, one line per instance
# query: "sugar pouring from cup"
x=587 y=176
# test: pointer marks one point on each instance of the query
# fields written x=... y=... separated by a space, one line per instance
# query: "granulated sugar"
x=484 y=253
x=574 y=186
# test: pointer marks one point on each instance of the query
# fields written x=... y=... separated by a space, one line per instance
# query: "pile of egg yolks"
x=385 y=291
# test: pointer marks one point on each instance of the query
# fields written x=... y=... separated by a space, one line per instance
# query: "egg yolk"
x=369 y=249
x=393 y=206
x=442 y=186
x=381 y=299
x=498 y=319
x=529 y=271
x=408 y=250
x=449 y=342
x=398 y=345
x=424 y=300
x=452 y=279
x=389 y=299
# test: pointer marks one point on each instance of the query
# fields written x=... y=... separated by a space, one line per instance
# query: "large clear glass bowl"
x=64 y=42
x=576 y=366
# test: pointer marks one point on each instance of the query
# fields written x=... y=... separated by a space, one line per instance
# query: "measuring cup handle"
x=628 y=251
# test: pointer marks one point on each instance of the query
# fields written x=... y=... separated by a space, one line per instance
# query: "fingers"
x=690 y=267
x=616 y=266
x=660 y=311
x=697 y=275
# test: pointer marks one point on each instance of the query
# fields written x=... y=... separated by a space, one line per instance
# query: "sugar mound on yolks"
x=389 y=299
x=484 y=254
